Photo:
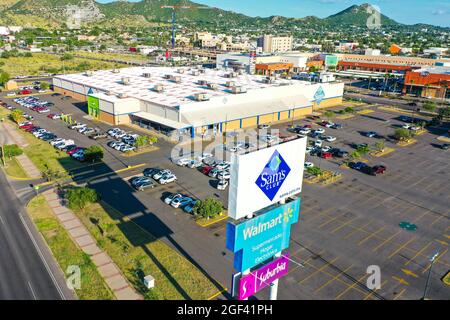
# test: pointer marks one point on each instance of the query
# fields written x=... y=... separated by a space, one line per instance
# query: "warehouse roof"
x=140 y=83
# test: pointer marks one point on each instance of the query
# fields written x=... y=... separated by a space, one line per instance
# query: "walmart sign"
x=258 y=239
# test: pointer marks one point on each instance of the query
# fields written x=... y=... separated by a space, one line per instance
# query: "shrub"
x=363 y=150
x=349 y=110
x=79 y=198
x=355 y=155
x=402 y=134
x=208 y=208
x=316 y=171
x=12 y=150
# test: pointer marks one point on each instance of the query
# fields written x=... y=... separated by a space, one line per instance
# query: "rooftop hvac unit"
x=122 y=95
x=230 y=84
x=202 y=82
x=203 y=71
x=89 y=74
x=213 y=86
x=167 y=76
x=268 y=80
x=201 y=97
x=195 y=72
x=158 y=88
x=238 y=89
x=147 y=75
x=231 y=75
x=116 y=71
x=181 y=71
x=126 y=81
x=176 y=79
x=109 y=93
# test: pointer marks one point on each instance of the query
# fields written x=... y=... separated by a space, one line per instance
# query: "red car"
x=207 y=169
x=326 y=155
x=25 y=92
x=379 y=169
x=74 y=150
x=307 y=126
x=26 y=126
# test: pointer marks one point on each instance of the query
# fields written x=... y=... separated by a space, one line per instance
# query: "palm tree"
x=427 y=87
x=411 y=82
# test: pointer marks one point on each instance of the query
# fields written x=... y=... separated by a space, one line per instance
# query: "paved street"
x=27 y=269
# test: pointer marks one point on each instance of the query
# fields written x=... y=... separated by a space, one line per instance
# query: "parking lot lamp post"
x=427 y=283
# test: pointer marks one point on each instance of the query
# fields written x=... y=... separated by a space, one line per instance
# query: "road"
x=27 y=269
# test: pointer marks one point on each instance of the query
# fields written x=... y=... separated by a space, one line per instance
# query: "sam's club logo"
x=273 y=175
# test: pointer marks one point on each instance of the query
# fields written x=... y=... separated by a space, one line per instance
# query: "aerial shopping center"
x=195 y=100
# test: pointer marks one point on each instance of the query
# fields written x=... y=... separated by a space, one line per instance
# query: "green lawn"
x=14 y=169
x=67 y=253
x=117 y=56
x=138 y=253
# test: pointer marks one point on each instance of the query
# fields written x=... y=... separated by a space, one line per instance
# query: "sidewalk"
x=81 y=236
x=11 y=138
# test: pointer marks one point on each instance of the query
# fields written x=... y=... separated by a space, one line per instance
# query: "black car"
x=445 y=146
x=149 y=172
x=48 y=137
x=69 y=148
x=56 y=94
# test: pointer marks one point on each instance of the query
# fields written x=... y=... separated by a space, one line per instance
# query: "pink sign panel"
x=254 y=282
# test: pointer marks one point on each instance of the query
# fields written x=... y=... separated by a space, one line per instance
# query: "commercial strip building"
x=192 y=100
x=428 y=82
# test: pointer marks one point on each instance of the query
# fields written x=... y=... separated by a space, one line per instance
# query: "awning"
x=244 y=110
x=163 y=121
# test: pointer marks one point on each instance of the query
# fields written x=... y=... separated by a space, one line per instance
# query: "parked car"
x=222 y=184
x=371 y=134
x=183 y=162
x=309 y=164
x=207 y=169
x=320 y=131
x=149 y=172
x=54 y=116
x=445 y=146
x=224 y=175
x=173 y=196
x=329 y=138
x=168 y=178
x=161 y=173
x=189 y=208
x=337 y=126
x=98 y=135
x=194 y=164
x=181 y=202
x=379 y=169
x=145 y=185
x=357 y=165
x=77 y=126
x=264 y=126
x=326 y=155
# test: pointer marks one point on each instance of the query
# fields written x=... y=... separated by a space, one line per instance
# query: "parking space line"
x=435 y=260
x=319 y=270
x=343 y=225
x=331 y=220
x=350 y=287
x=373 y=291
x=401 y=247
x=386 y=241
x=399 y=294
x=418 y=253
x=304 y=263
x=332 y=279
x=372 y=234
x=355 y=229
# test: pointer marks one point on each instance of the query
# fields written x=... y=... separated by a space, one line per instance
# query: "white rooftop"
x=174 y=94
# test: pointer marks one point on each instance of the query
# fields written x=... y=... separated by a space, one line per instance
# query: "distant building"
x=272 y=44
x=372 y=52
x=438 y=52
x=430 y=82
x=395 y=49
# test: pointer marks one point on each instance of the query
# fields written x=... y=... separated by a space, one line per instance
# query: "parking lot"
x=344 y=227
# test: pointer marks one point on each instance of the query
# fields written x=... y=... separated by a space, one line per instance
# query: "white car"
x=318 y=143
x=181 y=202
x=329 y=125
x=194 y=164
x=126 y=148
x=264 y=126
x=224 y=175
x=168 y=178
x=223 y=165
x=172 y=197
x=57 y=141
x=406 y=126
x=158 y=175
x=415 y=128
x=309 y=149
x=304 y=131
x=320 y=130
x=204 y=155
x=39 y=132
x=11 y=94
x=222 y=184
x=326 y=148
x=183 y=162
x=309 y=165
x=77 y=126
x=330 y=138
x=119 y=145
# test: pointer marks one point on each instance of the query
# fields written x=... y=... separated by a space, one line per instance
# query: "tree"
x=402 y=134
x=142 y=141
x=79 y=198
x=17 y=115
x=379 y=146
x=44 y=85
x=66 y=57
x=328 y=114
x=429 y=106
x=94 y=153
x=4 y=77
x=355 y=155
x=349 y=110
x=208 y=208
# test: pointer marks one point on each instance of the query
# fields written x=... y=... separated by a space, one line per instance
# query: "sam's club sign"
x=260 y=238
x=273 y=175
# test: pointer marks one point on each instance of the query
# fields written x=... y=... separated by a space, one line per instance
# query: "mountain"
x=358 y=16
x=53 y=13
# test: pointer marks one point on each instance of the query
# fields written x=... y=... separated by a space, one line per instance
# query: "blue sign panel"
x=319 y=95
x=273 y=175
x=258 y=239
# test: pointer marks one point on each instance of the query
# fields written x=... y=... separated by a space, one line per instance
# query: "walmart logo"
x=273 y=175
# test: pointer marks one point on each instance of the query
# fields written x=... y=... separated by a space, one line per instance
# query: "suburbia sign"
x=259 y=279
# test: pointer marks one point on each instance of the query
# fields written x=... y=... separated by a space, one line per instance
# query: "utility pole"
x=432 y=260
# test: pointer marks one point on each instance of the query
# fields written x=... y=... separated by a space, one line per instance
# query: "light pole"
x=427 y=284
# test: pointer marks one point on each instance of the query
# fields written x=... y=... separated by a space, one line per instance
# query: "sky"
x=436 y=12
